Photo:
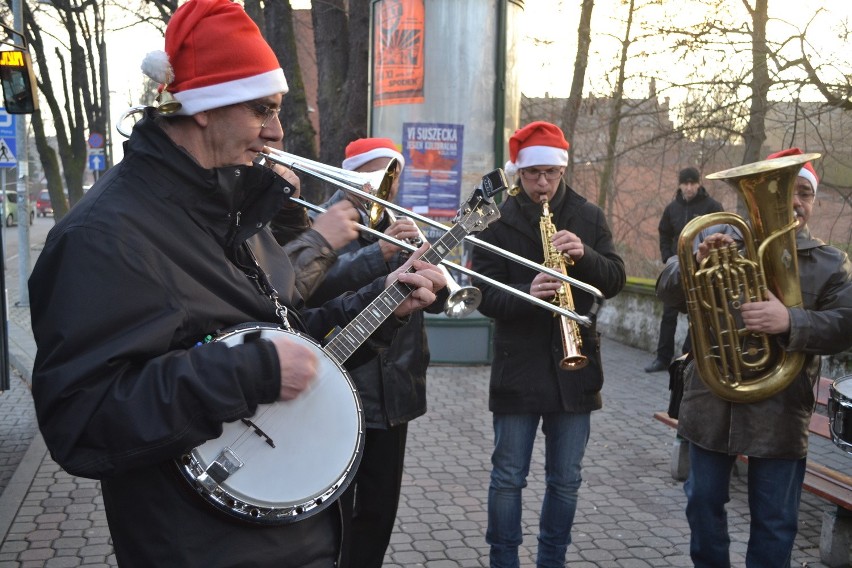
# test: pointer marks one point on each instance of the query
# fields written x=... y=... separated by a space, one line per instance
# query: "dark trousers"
x=369 y=504
x=666 y=341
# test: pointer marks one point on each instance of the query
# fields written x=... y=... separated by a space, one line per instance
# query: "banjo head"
x=293 y=458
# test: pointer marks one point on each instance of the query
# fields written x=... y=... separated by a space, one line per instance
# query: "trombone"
x=365 y=185
x=462 y=300
x=361 y=184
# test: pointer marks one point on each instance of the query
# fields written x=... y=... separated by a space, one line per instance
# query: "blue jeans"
x=774 y=490
x=566 y=436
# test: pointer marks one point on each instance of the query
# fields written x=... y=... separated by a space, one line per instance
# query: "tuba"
x=571 y=341
x=736 y=364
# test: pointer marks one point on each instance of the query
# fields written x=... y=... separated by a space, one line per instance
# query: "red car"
x=43 y=206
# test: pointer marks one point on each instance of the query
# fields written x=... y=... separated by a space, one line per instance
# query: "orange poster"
x=399 y=30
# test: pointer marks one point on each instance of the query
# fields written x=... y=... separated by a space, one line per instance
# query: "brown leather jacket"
x=310 y=254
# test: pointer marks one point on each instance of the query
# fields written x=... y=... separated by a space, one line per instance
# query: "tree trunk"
x=331 y=38
x=755 y=131
x=299 y=133
x=606 y=186
x=341 y=43
x=572 y=107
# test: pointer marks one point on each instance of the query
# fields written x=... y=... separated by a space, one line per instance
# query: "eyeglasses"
x=265 y=113
x=533 y=175
x=805 y=196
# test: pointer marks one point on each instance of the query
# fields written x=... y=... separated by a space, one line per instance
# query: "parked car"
x=43 y=205
x=10 y=203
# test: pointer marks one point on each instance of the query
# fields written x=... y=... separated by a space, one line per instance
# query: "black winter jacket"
x=392 y=385
x=525 y=373
x=152 y=260
x=680 y=212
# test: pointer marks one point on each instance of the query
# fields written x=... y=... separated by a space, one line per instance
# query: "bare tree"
x=581 y=62
x=76 y=97
x=606 y=185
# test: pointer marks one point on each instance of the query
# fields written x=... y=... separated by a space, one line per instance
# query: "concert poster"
x=431 y=180
x=398 y=65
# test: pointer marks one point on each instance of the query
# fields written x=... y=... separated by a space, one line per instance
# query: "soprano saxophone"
x=570 y=331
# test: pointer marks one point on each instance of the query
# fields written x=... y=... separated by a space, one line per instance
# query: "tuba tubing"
x=736 y=364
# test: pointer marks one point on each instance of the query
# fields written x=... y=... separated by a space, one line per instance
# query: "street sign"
x=96 y=140
x=8 y=140
x=97 y=160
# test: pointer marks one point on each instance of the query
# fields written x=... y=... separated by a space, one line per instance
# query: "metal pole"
x=21 y=188
x=4 y=311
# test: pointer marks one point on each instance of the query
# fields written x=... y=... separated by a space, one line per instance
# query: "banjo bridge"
x=256 y=429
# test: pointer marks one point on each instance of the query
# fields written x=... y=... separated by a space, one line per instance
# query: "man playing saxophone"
x=528 y=386
x=773 y=430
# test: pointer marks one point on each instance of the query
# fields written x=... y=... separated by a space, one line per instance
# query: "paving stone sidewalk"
x=630 y=512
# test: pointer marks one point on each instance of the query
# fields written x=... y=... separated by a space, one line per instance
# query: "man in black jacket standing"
x=528 y=387
x=170 y=246
x=691 y=201
x=392 y=385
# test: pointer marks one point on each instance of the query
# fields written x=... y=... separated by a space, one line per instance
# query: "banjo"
x=292 y=459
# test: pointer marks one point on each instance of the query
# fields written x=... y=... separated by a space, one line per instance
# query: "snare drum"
x=840 y=412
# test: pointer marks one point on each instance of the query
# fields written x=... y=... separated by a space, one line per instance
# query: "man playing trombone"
x=172 y=245
x=528 y=382
x=392 y=385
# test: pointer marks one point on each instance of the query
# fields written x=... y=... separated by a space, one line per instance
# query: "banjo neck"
x=343 y=344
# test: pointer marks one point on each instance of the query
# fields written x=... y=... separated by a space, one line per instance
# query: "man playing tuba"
x=772 y=431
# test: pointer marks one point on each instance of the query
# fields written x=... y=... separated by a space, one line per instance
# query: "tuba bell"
x=737 y=364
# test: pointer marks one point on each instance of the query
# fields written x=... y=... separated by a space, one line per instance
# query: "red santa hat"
x=363 y=150
x=808 y=172
x=537 y=144
x=215 y=56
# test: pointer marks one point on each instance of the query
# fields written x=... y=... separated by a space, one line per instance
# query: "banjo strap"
x=261 y=280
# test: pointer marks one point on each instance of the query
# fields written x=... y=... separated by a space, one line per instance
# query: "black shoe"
x=656 y=366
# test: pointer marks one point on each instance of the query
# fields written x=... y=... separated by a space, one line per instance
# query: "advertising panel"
x=398 y=66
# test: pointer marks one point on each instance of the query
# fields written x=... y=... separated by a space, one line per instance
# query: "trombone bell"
x=463 y=300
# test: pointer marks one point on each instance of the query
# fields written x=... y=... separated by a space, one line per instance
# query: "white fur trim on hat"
x=359 y=160
x=156 y=66
x=232 y=92
x=537 y=156
x=808 y=175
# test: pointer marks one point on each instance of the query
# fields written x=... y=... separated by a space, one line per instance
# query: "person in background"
x=690 y=201
x=392 y=385
x=528 y=387
x=171 y=245
x=772 y=432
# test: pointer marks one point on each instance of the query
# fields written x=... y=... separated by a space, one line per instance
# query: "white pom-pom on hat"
x=156 y=66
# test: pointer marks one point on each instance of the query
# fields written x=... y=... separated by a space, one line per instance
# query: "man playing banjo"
x=171 y=246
